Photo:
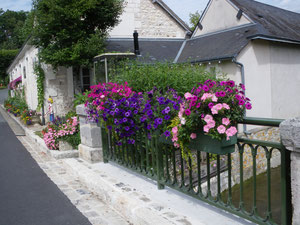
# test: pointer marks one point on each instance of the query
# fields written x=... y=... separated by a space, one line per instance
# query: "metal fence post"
x=159 y=164
x=105 y=144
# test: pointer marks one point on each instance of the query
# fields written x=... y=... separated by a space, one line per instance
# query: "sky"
x=181 y=7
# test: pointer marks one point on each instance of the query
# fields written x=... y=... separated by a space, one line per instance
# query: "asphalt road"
x=27 y=195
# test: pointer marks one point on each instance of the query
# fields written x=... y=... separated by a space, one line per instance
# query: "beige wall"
x=220 y=15
x=149 y=19
x=285 y=73
x=256 y=60
x=272 y=78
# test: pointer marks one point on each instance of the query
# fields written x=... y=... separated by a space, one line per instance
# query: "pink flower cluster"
x=52 y=133
x=214 y=107
x=224 y=128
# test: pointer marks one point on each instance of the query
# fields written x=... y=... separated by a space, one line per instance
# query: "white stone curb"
x=139 y=201
x=40 y=142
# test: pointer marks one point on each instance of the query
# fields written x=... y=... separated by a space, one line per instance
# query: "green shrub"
x=143 y=77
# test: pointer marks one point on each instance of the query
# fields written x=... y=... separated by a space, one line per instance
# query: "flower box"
x=206 y=143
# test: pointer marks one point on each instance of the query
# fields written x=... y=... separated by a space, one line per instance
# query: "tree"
x=11 y=24
x=194 y=19
x=6 y=57
x=72 y=32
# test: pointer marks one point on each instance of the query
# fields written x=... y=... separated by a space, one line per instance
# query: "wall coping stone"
x=80 y=110
x=290 y=134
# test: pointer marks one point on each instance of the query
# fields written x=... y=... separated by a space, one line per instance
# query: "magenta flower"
x=210 y=105
x=188 y=112
x=248 y=106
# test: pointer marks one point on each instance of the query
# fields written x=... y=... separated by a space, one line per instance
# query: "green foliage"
x=194 y=19
x=12 y=35
x=40 y=78
x=73 y=140
x=16 y=104
x=80 y=98
x=6 y=57
x=70 y=114
x=142 y=78
x=72 y=32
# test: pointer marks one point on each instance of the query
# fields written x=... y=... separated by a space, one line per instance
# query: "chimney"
x=136 y=43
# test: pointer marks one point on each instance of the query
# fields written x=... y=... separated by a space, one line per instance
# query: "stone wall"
x=59 y=86
x=263 y=134
x=149 y=19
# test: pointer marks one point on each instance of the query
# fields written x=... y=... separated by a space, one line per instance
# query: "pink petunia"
x=225 y=121
x=193 y=135
x=211 y=124
x=225 y=106
x=208 y=118
x=206 y=128
x=221 y=129
x=176 y=145
x=218 y=106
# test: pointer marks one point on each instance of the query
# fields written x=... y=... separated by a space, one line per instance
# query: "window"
x=24 y=72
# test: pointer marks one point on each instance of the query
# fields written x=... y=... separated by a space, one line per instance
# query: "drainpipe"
x=136 y=43
x=241 y=66
x=43 y=110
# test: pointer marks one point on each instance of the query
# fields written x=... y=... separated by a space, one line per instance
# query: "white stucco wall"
x=149 y=19
x=256 y=59
x=272 y=78
x=220 y=15
x=26 y=58
x=285 y=74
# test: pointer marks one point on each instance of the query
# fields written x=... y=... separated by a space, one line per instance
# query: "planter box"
x=206 y=143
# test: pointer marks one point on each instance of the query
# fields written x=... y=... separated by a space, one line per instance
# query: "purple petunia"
x=167 y=117
x=167 y=133
x=187 y=112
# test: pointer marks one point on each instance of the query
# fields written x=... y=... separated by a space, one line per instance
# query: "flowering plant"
x=117 y=108
x=26 y=116
x=214 y=108
x=53 y=132
x=158 y=110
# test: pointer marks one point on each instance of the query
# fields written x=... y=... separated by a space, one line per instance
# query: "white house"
x=255 y=43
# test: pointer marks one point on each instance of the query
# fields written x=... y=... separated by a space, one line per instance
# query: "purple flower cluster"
x=159 y=110
x=122 y=115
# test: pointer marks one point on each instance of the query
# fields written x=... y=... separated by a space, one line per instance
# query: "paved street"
x=27 y=195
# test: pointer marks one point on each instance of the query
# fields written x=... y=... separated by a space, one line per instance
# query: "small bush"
x=143 y=77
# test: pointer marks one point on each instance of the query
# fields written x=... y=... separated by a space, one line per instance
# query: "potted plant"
x=207 y=119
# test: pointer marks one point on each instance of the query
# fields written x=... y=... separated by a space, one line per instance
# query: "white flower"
x=182 y=120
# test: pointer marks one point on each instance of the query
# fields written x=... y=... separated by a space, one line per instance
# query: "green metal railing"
x=196 y=176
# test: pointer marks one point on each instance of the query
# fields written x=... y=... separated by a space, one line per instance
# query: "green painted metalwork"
x=165 y=164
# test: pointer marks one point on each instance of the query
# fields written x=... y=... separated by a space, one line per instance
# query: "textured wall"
x=149 y=19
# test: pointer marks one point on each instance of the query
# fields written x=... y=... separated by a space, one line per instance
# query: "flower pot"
x=206 y=143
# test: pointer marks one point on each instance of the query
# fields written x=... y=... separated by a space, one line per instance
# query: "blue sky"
x=181 y=7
